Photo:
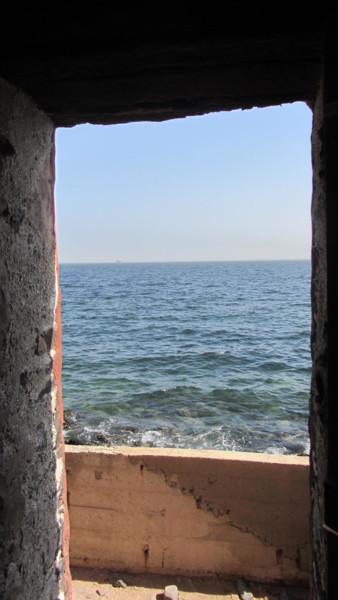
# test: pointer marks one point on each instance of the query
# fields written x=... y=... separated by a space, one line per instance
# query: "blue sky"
x=225 y=186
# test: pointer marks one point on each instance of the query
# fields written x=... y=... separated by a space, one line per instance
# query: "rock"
x=170 y=592
x=243 y=590
x=69 y=419
x=102 y=439
x=101 y=592
x=77 y=441
x=85 y=592
x=120 y=583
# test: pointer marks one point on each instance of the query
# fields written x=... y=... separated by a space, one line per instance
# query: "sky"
x=225 y=186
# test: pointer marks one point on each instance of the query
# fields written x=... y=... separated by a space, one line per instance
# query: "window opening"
x=185 y=277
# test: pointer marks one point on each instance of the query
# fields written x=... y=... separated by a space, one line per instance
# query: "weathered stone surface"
x=30 y=473
x=318 y=402
x=189 y=512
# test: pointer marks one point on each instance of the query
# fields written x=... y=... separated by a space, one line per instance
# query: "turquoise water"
x=200 y=355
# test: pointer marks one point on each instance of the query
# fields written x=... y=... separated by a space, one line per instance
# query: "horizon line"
x=145 y=262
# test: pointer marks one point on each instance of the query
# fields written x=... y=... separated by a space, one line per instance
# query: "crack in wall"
x=202 y=503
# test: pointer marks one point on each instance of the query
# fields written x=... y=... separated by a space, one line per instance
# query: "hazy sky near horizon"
x=225 y=186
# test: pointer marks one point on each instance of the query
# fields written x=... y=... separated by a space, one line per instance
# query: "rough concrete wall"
x=318 y=402
x=331 y=180
x=57 y=408
x=31 y=462
x=187 y=512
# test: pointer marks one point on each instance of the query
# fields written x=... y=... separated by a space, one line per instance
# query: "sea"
x=203 y=355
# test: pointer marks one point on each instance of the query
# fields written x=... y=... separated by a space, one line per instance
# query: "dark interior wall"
x=318 y=400
x=30 y=511
x=323 y=423
x=115 y=65
x=330 y=143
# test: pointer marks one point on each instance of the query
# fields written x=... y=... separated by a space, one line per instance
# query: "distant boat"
x=118 y=260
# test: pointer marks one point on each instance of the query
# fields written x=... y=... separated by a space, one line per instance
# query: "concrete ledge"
x=189 y=512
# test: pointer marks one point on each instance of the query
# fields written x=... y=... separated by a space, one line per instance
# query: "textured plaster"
x=190 y=513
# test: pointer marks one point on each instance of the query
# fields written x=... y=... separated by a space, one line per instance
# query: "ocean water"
x=193 y=355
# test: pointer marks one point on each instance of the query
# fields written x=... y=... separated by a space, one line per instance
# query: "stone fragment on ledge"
x=120 y=583
x=243 y=590
x=170 y=593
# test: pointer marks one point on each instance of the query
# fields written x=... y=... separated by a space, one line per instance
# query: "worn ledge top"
x=285 y=459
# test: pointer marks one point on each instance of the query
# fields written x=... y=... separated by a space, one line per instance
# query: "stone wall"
x=318 y=402
x=32 y=511
x=330 y=436
x=189 y=512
